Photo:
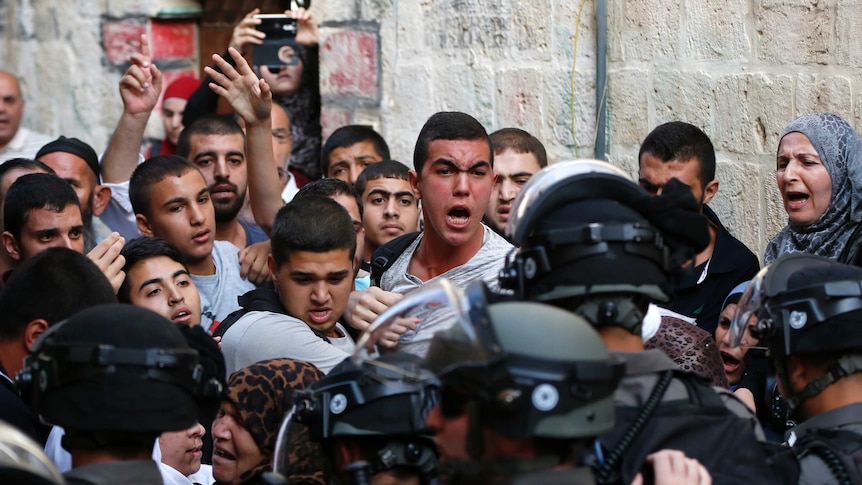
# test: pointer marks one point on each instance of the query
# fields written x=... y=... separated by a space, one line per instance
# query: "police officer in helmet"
x=115 y=377
x=807 y=310
x=370 y=416
x=594 y=243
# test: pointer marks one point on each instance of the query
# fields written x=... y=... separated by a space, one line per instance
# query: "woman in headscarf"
x=173 y=105
x=819 y=175
x=246 y=428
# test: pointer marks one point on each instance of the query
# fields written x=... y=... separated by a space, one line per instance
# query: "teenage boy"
x=171 y=200
x=312 y=274
x=349 y=150
x=390 y=209
x=158 y=279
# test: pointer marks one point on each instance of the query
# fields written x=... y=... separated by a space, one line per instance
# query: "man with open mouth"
x=453 y=177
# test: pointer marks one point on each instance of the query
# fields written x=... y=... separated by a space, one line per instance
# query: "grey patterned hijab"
x=840 y=150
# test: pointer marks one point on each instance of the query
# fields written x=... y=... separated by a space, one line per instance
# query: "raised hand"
x=246 y=32
x=141 y=85
x=307 y=32
x=248 y=95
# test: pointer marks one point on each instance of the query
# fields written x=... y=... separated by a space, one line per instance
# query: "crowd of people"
x=208 y=309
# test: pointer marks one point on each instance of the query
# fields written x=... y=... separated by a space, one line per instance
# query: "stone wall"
x=739 y=69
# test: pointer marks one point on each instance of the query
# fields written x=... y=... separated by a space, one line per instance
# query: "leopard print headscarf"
x=840 y=150
x=262 y=394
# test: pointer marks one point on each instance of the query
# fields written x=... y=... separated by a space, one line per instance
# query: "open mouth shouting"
x=731 y=363
x=795 y=200
x=458 y=217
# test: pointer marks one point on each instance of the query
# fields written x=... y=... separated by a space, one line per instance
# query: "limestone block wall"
x=739 y=69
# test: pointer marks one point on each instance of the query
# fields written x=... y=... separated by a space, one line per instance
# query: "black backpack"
x=701 y=426
x=840 y=450
x=383 y=258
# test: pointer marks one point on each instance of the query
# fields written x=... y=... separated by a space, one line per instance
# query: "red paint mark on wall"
x=121 y=40
x=351 y=64
x=172 y=39
x=333 y=118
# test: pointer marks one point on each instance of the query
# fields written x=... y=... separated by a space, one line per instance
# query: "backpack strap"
x=262 y=299
x=384 y=257
x=608 y=472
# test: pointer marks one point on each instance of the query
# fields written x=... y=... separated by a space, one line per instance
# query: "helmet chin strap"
x=846 y=365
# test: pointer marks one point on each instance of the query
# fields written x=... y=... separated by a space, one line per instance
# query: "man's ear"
x=33 y=331
x=11 y=245
x=799 y=373
x=273 y=269
x=709 y=191
x=143 y=225
x=101 y=197
x=413 y=177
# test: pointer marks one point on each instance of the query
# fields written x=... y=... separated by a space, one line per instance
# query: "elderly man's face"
x=11 y=108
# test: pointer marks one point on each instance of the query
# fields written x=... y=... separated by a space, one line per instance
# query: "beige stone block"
x=651 y=30
x=848 y=33
x=628 y=120
x=794 y=32
x=683 y=96
x=568 y=113
x=751 y=109
x=818 y=92
x=715 y=30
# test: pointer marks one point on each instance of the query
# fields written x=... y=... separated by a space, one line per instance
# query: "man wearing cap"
x=77 y=163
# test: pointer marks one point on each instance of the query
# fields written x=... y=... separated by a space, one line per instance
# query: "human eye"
x=175 y=208
x=203 y=162
x=406 y=201
x=334 y=280
x=76 y=233
x=781 y=163
x=376 y=200
x=522 y=180
x=154 y=292
x=46 y=238
x=236 y=161
x=203 y=199
x=480 y=172
x=444 y=171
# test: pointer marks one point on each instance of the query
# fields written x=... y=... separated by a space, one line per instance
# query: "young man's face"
x=455 y=186
x=164 y=286
x=390 y=210
x=346 y=163
x=46 y=228
x=221 y=159
x=314 y=287
x=181 y=213
x=513 y=170
x=654 y=173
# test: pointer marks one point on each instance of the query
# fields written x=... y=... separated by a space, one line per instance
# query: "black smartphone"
x=279 y=48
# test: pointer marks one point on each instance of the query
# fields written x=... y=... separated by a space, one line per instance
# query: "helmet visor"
x=444 y=313
x=748 y=312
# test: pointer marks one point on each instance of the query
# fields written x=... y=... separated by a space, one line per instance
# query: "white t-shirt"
x=219 y=292
x=260 y=336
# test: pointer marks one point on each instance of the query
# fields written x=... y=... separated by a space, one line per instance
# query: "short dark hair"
x=387 y=169
x=143 y=248
x=519 y=141
x=23 y=164
x=351 y=135
x=330 y=187
x=35 y=191
x=151 y=172
x=679 y=141
x=210 y=124
x=448 y=125
x=52 y=285
x=332 y=228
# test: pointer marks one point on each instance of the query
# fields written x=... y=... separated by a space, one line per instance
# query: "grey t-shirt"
x=485 y=266
x=267 y=335
x=219 y=292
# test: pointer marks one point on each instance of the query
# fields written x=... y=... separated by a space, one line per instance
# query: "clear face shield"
x=750 y=316
x=450 y=316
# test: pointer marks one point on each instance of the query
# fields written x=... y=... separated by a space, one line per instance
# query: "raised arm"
x=251 y=98
x=139 y=88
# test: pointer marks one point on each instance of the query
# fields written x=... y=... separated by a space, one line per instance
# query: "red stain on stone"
x=121 y=39
x=333 y=118
x=352 y=58
x=172 y=39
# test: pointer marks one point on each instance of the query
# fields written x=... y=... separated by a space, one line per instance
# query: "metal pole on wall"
x=601 y=77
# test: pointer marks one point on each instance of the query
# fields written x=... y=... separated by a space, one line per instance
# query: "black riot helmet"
x=804 y=304
x=534 y=370
x=382 y=404
x=584 y=228
x=116 y=368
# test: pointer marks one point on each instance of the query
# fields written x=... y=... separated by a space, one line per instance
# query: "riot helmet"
x=115 y=368
x=584 y=228
x=22 y=460
x=528 y=369
x=804 y=304
x=383 y=404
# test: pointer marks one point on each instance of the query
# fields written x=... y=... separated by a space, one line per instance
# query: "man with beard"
x=216 y=144
x=680 y=150
x=77 y=163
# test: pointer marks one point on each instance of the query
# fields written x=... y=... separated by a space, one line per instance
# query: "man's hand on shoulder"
x=252 y=262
